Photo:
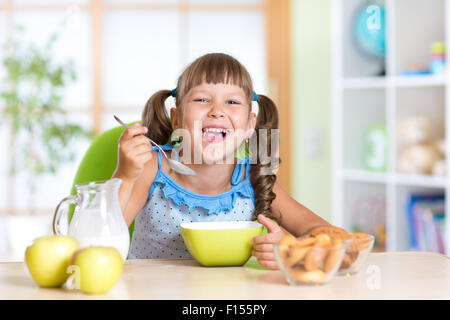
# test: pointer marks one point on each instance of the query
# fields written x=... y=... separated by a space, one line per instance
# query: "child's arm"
x=133 y=195
x=137 y=168
x=295 y=218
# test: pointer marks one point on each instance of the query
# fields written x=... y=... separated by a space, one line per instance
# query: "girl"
x=212 y=118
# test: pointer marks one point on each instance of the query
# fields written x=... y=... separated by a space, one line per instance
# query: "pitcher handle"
x=60 y=208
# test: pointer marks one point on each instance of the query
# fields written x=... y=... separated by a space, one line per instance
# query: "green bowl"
x=220 y=243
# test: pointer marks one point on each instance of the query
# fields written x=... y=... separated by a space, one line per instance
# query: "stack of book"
x=426 y=215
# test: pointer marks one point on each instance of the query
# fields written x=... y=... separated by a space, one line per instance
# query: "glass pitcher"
x=97 y=219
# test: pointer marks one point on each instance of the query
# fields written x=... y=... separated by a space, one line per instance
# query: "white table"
x=403 y=275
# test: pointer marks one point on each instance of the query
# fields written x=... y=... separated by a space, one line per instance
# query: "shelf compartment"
x=415 y=219
x=355 y=62
x=362 y=109
x=426 y=103
x=417 y=25
x=365 y=210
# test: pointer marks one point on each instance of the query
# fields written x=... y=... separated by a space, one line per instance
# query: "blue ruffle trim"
x=213 y=203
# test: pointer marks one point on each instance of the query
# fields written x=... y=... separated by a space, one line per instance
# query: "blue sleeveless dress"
x=157 y=232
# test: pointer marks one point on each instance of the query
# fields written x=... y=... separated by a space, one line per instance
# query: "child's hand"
x=134 y=152
x=263 y=245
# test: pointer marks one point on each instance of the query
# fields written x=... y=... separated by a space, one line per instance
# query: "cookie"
x=283 y=253
x=359 y=241
x=295 y=254
x=314 y=276
x=332 y=257
x=346 y=263
x=336 y=242
x=314 y=258
x=284 y=245
x=349 y=259
x=322 y=240
x=306 y=242
x=332 y=231
x=287 y=240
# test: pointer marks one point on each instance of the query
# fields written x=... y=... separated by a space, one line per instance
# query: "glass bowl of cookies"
x=309 y=259
x=358 y=245
x=358 y=248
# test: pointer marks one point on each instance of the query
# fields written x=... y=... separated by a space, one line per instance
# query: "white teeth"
x=219 y=130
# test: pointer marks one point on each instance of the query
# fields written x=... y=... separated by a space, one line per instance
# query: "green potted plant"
x=32 y=94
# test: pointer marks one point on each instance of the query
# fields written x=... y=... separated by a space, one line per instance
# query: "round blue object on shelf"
x=369 y=30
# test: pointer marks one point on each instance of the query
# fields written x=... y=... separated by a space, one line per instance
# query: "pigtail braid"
x=156 y=119
x=262 y=176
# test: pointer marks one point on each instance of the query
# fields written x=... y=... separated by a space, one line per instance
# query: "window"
x=124 y=52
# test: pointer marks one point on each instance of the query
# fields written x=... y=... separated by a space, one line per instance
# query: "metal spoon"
x=173 y=164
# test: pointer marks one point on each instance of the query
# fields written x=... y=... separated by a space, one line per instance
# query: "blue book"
x=439 y=221
x=414 y=204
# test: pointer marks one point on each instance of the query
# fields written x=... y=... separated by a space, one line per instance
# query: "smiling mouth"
x=212 y=135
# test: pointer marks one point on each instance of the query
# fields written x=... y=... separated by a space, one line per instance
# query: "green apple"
x=99 y=268
x=48 y=257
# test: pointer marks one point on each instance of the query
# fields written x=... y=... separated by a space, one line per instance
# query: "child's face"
x=216 y=118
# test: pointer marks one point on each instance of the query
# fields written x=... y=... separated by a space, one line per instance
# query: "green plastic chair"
x=99 y=162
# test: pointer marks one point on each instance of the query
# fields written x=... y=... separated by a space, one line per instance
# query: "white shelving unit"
x=361 y=99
